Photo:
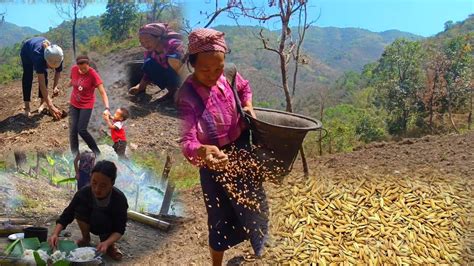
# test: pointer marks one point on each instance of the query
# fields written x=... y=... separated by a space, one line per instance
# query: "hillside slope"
x=12 y=33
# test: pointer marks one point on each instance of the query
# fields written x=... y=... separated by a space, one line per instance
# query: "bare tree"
x=70 y=10
x=156 y=8
x=435 y=88
x=303 y=25
x=471 y=92
x=228 y=8
x=286 y=48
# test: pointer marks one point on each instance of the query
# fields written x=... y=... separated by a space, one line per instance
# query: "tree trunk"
x=20 y=160
x=330 y=144
x=431 y=114
x=405 y=122
x=321 y=115
x=469 y=118
x=432 y=101
x=153 y=12
x=449 y=110
x=284 y=80
x=74 y=33
x=159 y=12
x=295 y=74
x=37 y=164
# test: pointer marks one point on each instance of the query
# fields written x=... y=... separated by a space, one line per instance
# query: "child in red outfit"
x=117 y=130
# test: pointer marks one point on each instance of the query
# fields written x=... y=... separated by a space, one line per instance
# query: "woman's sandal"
x=114 y=253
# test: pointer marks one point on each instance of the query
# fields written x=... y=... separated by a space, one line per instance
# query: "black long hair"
x=106 y=168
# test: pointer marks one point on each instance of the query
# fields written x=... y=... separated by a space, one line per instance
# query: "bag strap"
x=230 y=72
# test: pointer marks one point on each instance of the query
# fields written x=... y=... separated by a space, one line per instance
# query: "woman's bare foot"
x=135 y=90
x=114 y=252
x=83 y=242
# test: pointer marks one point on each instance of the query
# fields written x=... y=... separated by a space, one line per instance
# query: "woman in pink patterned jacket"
x=211 y=126
x=163 y=58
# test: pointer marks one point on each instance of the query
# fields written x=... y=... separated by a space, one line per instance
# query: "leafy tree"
x=119 y=19
x=86 y=28
x=369 y=128
x=348 y=126
x=10 y=66
x=458 y=75
x=398 y=79
x=448 y=25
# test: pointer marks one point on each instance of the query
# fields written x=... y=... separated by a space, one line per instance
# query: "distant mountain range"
x=331 y=52
x=11 y=33
x=345 y=49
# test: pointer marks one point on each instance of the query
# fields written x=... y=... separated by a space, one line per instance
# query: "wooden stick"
x=166 y=170
x=165 y=205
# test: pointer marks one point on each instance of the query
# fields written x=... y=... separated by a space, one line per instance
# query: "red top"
x=83 y=96
x=118 y=133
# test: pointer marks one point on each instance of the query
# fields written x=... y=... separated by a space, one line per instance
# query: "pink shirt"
x=209 y=115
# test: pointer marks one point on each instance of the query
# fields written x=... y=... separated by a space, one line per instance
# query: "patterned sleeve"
x=189 y=140
x=175 y=49
x=243 y=88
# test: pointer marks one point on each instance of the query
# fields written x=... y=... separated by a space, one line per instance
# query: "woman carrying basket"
x=211 y=127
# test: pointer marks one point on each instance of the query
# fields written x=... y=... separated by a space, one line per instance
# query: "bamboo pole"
x=8 y=230
x=13 y=220
x=142 y=218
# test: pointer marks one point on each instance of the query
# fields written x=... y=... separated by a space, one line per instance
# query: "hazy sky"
x=423 y=17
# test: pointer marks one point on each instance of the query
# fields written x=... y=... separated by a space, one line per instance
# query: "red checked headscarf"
x=159 y=30
x=206 y=40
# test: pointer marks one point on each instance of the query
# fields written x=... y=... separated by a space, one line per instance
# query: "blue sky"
x=423 y=17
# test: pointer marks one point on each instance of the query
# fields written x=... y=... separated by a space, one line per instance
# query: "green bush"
x=347 y=126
